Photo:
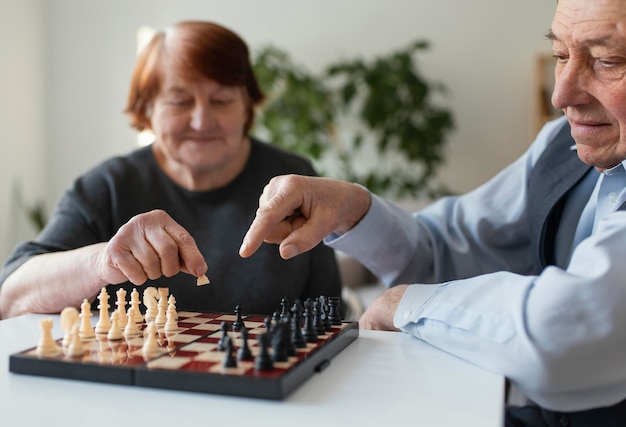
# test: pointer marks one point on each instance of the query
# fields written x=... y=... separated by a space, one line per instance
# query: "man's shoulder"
x=554 y=132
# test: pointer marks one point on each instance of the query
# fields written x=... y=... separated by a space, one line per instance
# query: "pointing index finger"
x=280 y=200
x=255 y=236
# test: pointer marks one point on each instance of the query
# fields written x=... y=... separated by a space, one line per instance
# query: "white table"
x=382 y=379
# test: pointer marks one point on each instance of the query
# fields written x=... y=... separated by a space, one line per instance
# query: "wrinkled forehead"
x=590 y=21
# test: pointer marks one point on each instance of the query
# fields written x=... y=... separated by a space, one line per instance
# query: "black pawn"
x=297 y=339
x=328 y=326
x=244 y=352
x=281 y=340
x=268 y=324
x=263 y=361
x=284 y=309
x=229 y=357
x=291 y=348
x=318 y=323
x=221 y=344
x=309 y=333
x=238 y=323
x=333 y=311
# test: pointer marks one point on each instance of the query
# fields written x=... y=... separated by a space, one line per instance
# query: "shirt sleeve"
x=480 y=232
x=558 y=335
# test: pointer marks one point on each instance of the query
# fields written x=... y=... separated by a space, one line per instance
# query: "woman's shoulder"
x=280 y=159
x=135 y=166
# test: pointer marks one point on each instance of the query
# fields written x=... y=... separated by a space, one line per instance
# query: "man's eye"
x=609 y=63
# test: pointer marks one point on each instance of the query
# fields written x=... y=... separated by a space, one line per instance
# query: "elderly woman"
x=165 y=214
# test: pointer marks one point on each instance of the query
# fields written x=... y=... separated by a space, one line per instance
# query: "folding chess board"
x=190 y=359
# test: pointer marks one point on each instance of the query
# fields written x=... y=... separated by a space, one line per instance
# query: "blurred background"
x=65 y=67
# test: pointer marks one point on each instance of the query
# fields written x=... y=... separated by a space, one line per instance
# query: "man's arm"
x=558 y=335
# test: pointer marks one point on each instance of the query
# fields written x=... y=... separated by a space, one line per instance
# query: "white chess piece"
x=202 y=280
x=115 y=332
x=132 y=328
x=161 y=316
x=133 y=312
x=171 y=325
x=150 y=295
x=104 y=323
x=75 y=349
x=172 y=301
x=69 y=318
x=46 y=346
x=150 y=346
x=121 y=307
x=86 y=330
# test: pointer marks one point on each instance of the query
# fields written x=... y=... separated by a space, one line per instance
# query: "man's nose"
x=570 y=85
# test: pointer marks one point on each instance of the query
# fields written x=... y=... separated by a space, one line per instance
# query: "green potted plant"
x=371 y=122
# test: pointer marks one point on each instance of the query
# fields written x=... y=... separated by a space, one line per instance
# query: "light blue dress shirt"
x=559 y=336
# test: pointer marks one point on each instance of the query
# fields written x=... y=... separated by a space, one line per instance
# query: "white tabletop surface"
x=382 y=379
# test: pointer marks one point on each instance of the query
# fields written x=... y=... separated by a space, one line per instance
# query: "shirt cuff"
x=373 y=227
x=414 y=298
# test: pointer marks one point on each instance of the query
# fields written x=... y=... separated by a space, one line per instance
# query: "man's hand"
x=297 y=212
x=379 y=314
x=149 y=246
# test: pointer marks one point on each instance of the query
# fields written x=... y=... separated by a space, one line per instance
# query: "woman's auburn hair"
x=194 y=49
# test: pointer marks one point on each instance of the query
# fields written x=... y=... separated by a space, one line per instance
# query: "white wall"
x=482 y=50
x=22 y=115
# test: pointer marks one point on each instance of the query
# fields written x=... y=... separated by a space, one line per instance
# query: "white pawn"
x=46 y=346
x=104 y=323
x=69 y=318
x=75 y=349
x=133 y=311
x=86 y=330
x=132 y=328
x=161 y=316
x=115 y=332
x=171 y=325
x=150 y=346
x=121 y=307
x=104 y=355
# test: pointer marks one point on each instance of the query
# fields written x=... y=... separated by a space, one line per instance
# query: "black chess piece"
x=238 y=323
x=318 y=324
x=263 y=362
x=221 y=344
x=333 y=311
x=328 y=326
x=284 y=309
x=297 y=339
x=244 y=352
x=309 y=333
x=280 y=341
x=229 y=358
x=267 y=322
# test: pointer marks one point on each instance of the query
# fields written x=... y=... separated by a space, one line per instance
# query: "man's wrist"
x=358 y=203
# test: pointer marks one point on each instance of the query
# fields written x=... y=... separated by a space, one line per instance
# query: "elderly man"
x=524 y=276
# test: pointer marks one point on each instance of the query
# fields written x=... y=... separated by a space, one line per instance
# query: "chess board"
x=189 y=359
